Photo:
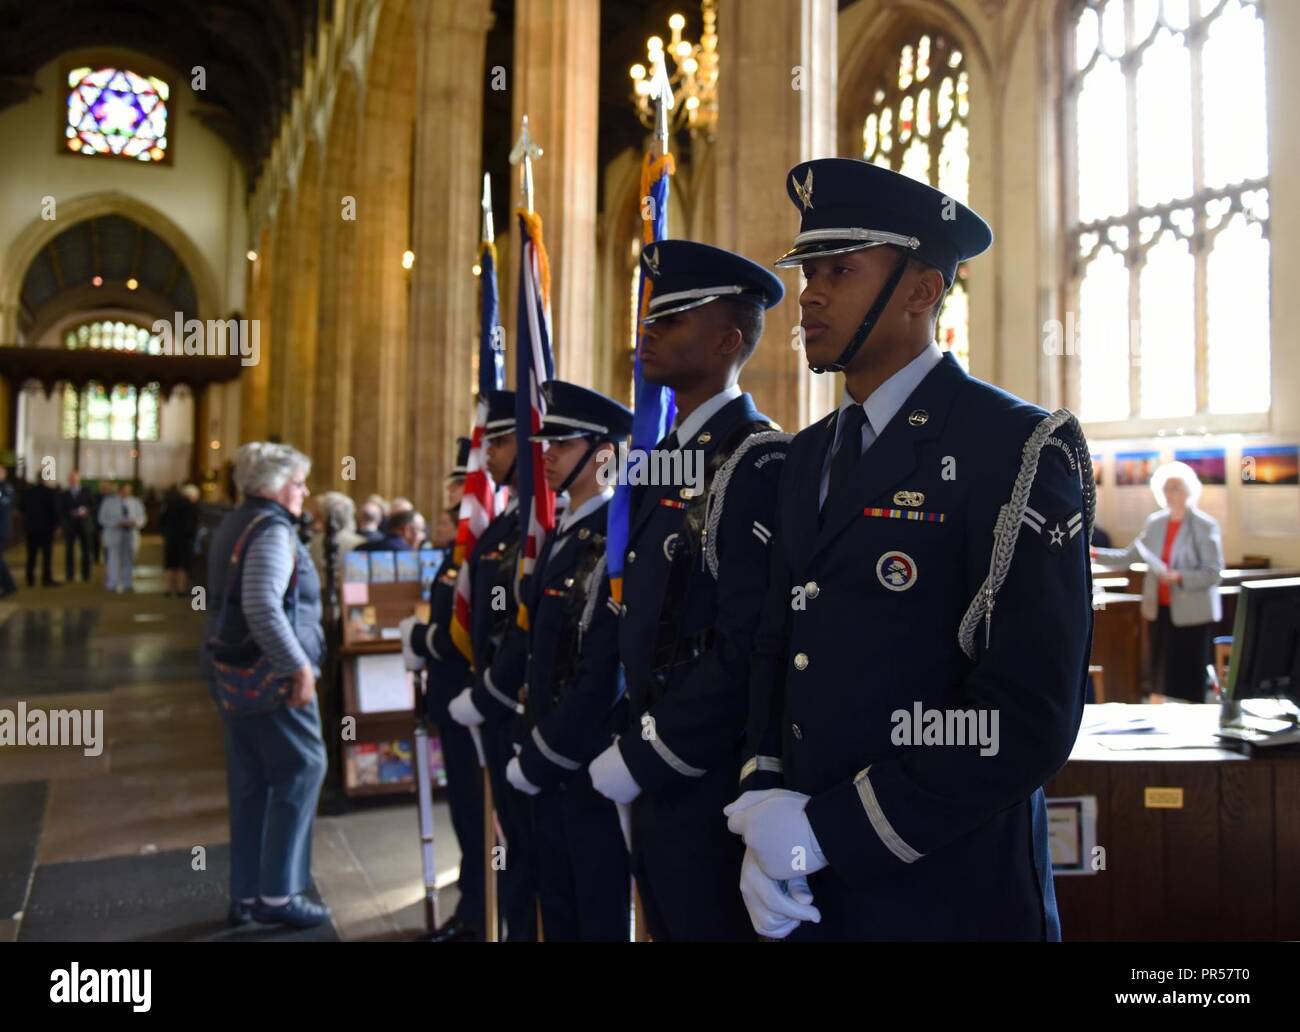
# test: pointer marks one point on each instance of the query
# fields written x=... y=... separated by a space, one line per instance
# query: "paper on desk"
x=1160 y=741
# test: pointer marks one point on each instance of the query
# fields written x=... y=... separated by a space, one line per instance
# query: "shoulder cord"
x=718 y=492
x=593 y=589
x=1006 y=530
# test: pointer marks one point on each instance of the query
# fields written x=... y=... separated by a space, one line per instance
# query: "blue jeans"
x=275 y=765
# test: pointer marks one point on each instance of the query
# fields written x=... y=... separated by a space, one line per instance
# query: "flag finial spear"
x=489 y=234
x=661 y=92
x=523 y=153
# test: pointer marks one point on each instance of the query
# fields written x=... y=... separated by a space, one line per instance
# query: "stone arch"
x=380 y=381
x=277 y=347
x=876 y=42
x=303 y=316
x=336 y=316
x=39 y=232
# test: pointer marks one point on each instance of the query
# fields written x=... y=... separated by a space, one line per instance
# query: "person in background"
x=405 y=531
x=121 y=515
x=105 y=490
x=40 y=506
x=1183 y=551
x=75 y=503
x=369 y=519
x=180 y=524
x=8 y=501
x=275 y=761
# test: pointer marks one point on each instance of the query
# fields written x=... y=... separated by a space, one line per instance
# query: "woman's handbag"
x=245 y=684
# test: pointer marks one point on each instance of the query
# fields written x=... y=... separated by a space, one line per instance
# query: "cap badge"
x=919 y=417
x=804 y=190
x=652 y=261
x=909 y=498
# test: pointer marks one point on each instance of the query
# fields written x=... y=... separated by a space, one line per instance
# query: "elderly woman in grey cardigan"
x=1183 y=553
x=275 y=762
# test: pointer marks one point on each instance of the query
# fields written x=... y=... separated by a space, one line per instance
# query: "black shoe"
x=454 y=930
x=300 y=912
x=240 y=914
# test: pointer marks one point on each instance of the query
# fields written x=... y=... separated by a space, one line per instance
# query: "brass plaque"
x=1163 y=798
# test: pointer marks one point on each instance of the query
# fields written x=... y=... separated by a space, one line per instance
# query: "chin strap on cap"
x=595 y=443
x=868 y=323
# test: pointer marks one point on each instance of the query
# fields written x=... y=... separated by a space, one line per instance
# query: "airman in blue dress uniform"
x=573 y=704
x=493 y=702
x=694 y=581
x=919 y=673
x=428 y=647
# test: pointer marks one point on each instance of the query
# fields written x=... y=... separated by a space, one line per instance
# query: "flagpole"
x=662 y=93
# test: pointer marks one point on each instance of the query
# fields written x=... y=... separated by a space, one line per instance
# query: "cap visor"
x=799 y=254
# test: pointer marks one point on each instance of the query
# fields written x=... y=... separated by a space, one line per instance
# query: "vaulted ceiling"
x=116 y=249
x=252 y=52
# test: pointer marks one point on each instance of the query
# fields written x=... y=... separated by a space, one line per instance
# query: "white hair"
x=1180 y=471
x=262 y=468
x=339 y=510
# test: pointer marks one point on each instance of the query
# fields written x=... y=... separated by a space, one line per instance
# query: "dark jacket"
x=925 y=838
x=302 y=604
x=79 y=497
x=40 y=508
x=385 y=543
x=8 y=502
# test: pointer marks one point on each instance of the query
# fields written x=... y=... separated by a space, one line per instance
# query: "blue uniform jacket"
x=689 y=717
x=500 y=647
x=573 y=686
x=859 y=639
x=448 y=670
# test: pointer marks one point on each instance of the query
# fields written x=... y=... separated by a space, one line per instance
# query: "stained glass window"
x=115 y=112
x=1170 y=210
x=918 y=126
x=115 y=336
x=110 y=415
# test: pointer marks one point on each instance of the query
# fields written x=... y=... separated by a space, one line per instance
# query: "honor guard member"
x=573 y=700
x=495 y=705
x=694 y=580
x=428 y=646
x=920 y=668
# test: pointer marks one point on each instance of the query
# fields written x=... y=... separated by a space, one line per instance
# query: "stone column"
x=776 y=107
x=556 y=83
x=446 y=230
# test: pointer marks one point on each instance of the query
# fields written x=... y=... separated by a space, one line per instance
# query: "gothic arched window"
x=115 y=112
x=1168 y=208
x=97 y=413
x=917 y=125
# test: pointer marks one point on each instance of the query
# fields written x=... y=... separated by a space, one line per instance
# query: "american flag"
x=534 y=366
x=654 y=405
x=478 y=506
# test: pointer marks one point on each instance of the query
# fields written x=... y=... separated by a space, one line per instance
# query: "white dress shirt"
x=694 y=423
x=881 y=406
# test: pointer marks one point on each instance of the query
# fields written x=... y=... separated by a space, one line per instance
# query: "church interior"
x=233 y=221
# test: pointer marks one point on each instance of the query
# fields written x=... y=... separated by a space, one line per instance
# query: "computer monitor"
x=1265 y=658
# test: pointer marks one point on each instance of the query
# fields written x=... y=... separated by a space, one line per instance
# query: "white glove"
x=776 y=830
x=412 y=661
x=463 y=710
x=611 y=778
x=775 y=908
x=515 y=775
